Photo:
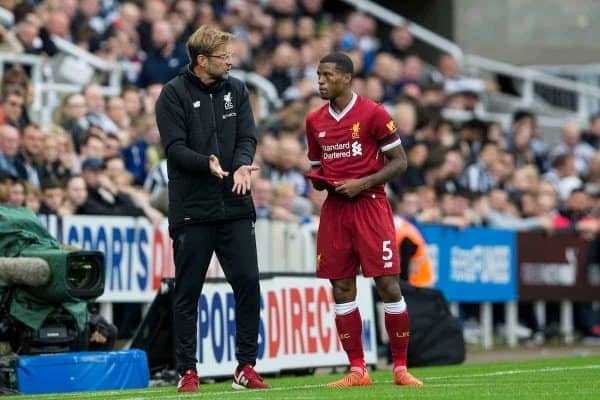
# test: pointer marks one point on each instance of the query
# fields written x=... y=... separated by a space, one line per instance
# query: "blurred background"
x=496 y=102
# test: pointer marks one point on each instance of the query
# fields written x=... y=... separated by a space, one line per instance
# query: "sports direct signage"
x=297 y=326
x=474 y=264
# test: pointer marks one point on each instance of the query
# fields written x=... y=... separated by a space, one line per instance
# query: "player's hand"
x=318 y=184
x=215 y=167
x=241 y=178
x=349 y=188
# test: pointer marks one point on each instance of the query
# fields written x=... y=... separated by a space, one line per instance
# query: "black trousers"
x=235 y=245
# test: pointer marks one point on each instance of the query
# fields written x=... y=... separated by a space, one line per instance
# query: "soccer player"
x=349 y=141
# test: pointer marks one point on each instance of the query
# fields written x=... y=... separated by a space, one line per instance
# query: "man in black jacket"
x=208 y=133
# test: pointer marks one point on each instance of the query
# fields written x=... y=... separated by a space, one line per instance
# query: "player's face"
x=332 y=81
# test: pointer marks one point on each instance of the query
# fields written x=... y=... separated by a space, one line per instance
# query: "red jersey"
x=349 y=144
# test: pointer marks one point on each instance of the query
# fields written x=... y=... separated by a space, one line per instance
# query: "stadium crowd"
x=102 y=155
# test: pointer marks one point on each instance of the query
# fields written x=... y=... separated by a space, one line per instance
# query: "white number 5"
x=387 y=251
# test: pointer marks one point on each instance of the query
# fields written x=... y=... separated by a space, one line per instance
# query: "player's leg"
x=379 y=259
x=349 y=327
x=397 y=326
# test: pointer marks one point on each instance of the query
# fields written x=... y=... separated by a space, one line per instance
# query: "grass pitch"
x=566 y=378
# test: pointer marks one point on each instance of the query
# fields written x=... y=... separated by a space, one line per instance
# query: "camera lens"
x=82 y=274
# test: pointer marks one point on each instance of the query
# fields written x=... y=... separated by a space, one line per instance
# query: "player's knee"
x=388 y=289
x=344 y=291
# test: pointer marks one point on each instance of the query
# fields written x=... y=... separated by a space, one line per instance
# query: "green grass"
x=565 y=379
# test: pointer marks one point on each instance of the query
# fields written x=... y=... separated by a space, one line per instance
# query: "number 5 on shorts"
x=387 y=251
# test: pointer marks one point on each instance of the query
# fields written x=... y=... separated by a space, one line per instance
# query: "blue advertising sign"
x=474 y=264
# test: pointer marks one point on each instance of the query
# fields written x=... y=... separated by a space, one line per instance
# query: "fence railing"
x=587 y=96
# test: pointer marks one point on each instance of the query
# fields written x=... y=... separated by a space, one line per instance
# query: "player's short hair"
x=341 y=61
x=205 y=41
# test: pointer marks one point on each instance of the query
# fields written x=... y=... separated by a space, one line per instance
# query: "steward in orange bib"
x=415 y=265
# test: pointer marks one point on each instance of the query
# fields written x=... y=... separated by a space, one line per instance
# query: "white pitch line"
x=308 y=387
x=514 y=372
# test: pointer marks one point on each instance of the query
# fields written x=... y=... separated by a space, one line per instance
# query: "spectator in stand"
x=33 y=197
x=430 y=212
x=75 y=194
x=92 y=146
x=478 y=177
x=592 y=136
x=27 y=34
x=132 y=98
x=449 y=174
x=592 y=181
x=11 y=111
x=537 y=145
x=31 y=154
x=407 y=206
x=563 y=175
x=472 y=136
x=389 y=70
x=54 y=164
x=103 y=197
x=499 y=212
x=115 y=110
x=262 y=195
x=52 y=197
x=399 y=42
x=547 y=201
x=10 y=141
x=284 y=62
x=165 y=58
x=414 y=176
x=9 y=43
x=572 y=144
x=525 y=180
x=73 y=109
x=448 y=73
x=96 y=113
x=16 y=194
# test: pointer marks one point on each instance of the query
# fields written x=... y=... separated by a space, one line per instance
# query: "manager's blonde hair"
x=205 y=41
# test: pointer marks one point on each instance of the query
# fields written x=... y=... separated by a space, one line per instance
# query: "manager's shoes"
x=248 y=378
x=188 y=382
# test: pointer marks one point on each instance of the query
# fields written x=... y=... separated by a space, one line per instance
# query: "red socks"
x=349 y=327
x=398 y=329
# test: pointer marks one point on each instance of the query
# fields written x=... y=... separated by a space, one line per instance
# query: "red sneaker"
x=248 y=378
x=188 y=382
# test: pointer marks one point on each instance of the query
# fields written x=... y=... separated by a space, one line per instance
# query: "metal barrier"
x=588 y=96
x=48 y=91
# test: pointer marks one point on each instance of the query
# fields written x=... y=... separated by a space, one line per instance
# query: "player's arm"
x=393 y=169
x=314 y=156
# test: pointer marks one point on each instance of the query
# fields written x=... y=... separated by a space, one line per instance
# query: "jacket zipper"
x=214 y=120
x=212 y=114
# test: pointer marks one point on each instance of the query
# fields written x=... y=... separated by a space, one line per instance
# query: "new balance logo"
x=356 y=149
x=196 y=104
x=242 y=379
x=387 y=264
x=322 y=134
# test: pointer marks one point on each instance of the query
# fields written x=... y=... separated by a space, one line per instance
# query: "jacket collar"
x=195 y=79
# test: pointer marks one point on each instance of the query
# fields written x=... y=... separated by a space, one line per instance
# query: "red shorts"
x=356 y=233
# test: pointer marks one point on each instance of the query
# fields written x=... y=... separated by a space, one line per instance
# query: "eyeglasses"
x=223 y=57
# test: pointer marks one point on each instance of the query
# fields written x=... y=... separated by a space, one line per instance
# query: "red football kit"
x=357 y=232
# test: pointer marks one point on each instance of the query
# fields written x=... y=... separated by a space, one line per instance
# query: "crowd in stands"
x=102 y=155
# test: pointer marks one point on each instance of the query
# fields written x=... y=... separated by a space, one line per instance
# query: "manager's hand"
x=215 y=167
x=241 y=178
